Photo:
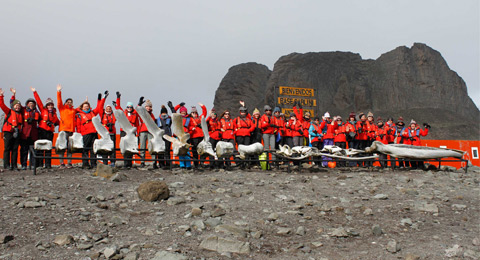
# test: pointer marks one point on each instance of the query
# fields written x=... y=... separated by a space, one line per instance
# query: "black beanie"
x=163 y=110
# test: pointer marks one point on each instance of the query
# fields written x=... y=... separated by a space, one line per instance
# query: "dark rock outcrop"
x=247 y=82
x=415 y=83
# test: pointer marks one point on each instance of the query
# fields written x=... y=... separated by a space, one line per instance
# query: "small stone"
x=84 y=246
x=368 y=212
x=196 y=211
x=273 y=216
x=118 y=177
x=411 y=257
x=393 y=246
x=377 y=230
x=116 y=220
x=175 y=201
x=282 y=231
x=228 y=229
x=32 y=204
x=406 y=222
x=476 y=241
x=459 y=207
x=257 y=234
x=103 y=171
x=213 y=222
x=381 y=196
x=62 y=240
x=165 y=255
x=217 y=212
x=131 y=256
x=317 y=244
x=300 y=231
x=223 y=245
x=469 y=253
x=339 y=232
x=109 y=252
x=456 y=250
x=198 y=224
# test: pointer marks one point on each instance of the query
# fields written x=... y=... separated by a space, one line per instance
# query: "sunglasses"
x=129 y=107
x=227 y=113
x=339 y=119
x=268 y=110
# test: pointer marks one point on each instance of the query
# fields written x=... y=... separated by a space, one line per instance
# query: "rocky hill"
x=415 y=83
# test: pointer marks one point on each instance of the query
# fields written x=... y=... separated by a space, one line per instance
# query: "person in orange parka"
x=295 y=128
x=279 y=123
x=134 y=120
x=195 y=130
x=256 y=135
x=390 y=130
x=371 y=128
x=12 y=127
x=316 y=134
x=143 y=135
x=412 y=137
x=87 y=129
x=67 y=122
x=228 y=133
x=29 y=133
x=48 y=121
x=340 y=138
x=381 y=136
x=243 y=126
x=268 y=129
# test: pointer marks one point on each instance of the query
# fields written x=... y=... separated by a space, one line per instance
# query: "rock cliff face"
x=415 y=83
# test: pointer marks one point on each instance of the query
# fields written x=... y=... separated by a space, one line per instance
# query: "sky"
x=181 y=50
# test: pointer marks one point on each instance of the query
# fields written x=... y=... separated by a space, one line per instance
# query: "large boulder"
x=153 y=191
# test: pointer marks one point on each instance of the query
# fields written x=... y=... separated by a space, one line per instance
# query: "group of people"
x=23 y=125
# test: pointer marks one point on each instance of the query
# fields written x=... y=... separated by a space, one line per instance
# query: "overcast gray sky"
x=180 y=50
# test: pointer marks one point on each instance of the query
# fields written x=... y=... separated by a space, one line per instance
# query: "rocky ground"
x=251 y=214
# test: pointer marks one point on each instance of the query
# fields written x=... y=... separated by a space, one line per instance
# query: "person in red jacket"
x=12 y=128
x=164 y=121
x=399 y=130
x=361 y=135
x=329 y=134
x=196 y=132
x=412 y=137
x=243 y=128
x=108 y=121
x=185 y=161
x=256 y=136
x=371 y=128
x=268 y=129
x=340 y=138
x=228 y=132
x=143 y=133
x=214 y=126
x=279 y=123
x=289 y=129
x=304 y=119
x=29 y=133
x=134 y=120
x=48 y=121
x=87 y=129
x=67 y=123
x=390 y=130
x=381 y=136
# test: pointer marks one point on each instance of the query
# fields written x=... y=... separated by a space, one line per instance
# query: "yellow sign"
x=287 y=112
x=303 y=102
x=304 y=92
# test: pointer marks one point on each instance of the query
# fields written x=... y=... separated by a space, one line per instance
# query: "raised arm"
x=38 y=99
x=204 y=109
x=59 y=97
x=5 y=109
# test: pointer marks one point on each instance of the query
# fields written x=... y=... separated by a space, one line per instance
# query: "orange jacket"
x=362 y=131
x=243 y=126
x=267 y=124
x=381 y=134
x=228 y=129
x=412 y=136
x=195 y=129
x=371 y=129
x=330 y=134
x=15 y=119
x=46 y=116
x=214 y=126
x=340 y=134
x=67 y=115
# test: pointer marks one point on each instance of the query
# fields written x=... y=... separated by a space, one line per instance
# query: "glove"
x=426 y=125
x=49 y=123
x=299 y=105
x=169 y=104
x=315 y=132
x=273 y=125
x=30 y=121
x=106 y=93
x=360 y=131
x=141 y=101
x=110 y=127
x=99 y=96
x=182 y=104
x=381 y=136
x=389 y=132
x=295 y=103
x=114 y=104
x=118 y=94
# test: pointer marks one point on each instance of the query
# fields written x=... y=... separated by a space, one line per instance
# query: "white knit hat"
x=326 y=115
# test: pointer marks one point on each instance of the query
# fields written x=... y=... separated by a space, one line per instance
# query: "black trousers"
x=88 y=140
x=10 y=153
x=288 y=140
x=24 y=149
x=342 y=145
x=228 y=159
x=113 y=137
x=194 y=142
x=213 y=163
x=166 y=156
x=44 y=134
x=317 y=159
x=360 y=145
